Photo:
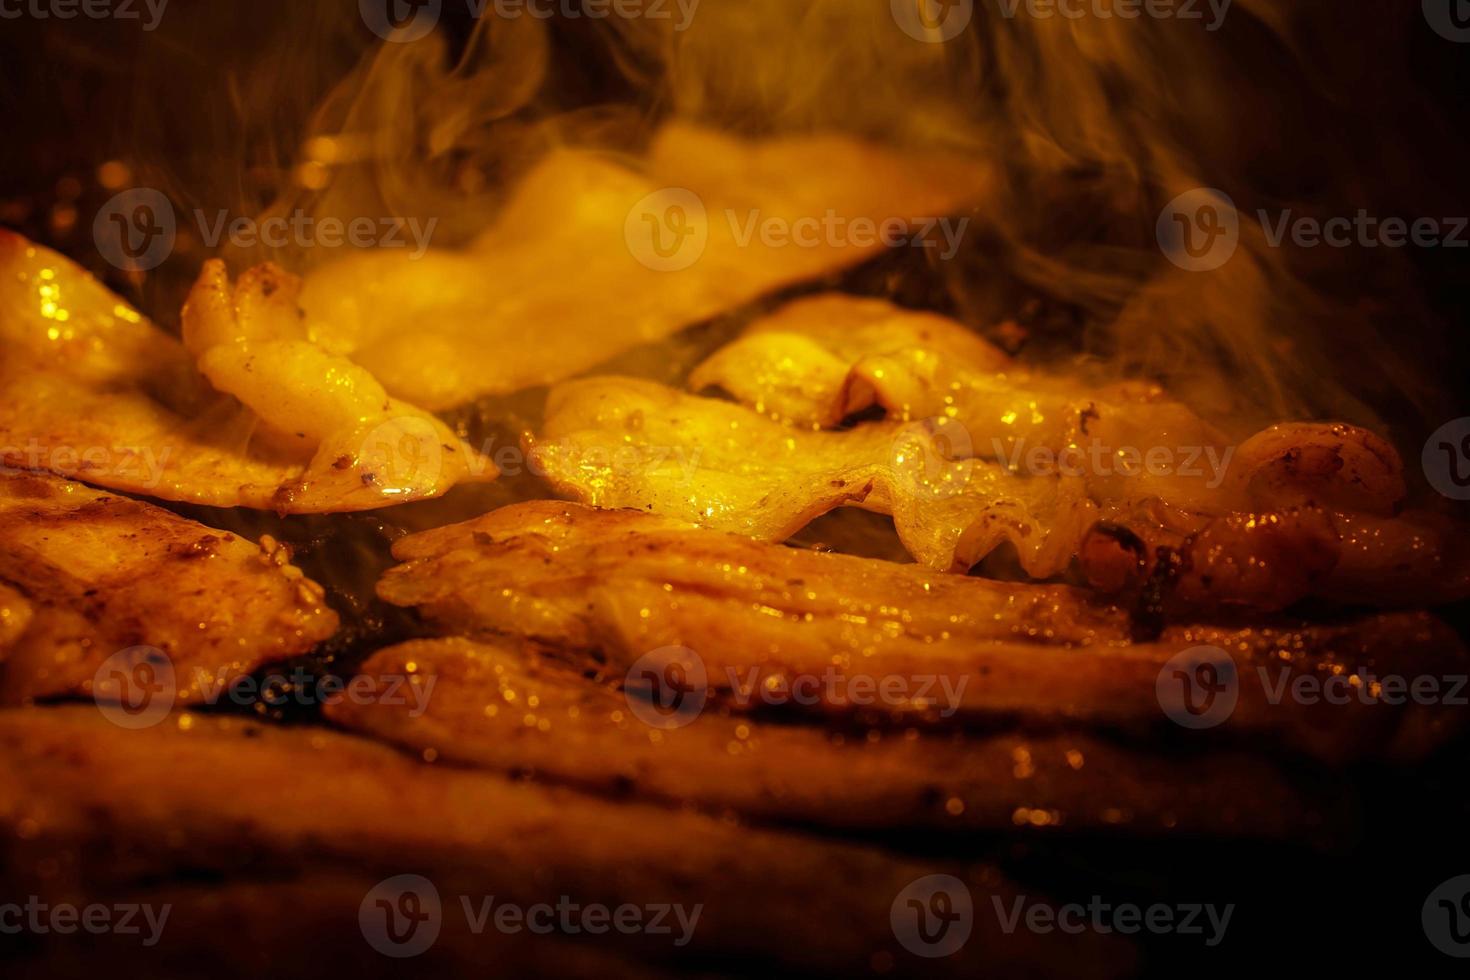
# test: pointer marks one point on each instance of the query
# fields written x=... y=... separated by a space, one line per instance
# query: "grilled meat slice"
x=620 y=442
x=85 y=574
x=511 y=710
x=623 y=585
x=91 y=390
x=653 y=250
x=1254 y=524
x=221 y=794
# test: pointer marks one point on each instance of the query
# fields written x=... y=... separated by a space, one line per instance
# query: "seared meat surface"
x=85 y=574
x=229 y=795
x=623 y=585
x=511 y=710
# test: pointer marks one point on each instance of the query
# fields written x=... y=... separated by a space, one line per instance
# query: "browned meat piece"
x=624 y=584
x=228 y=795
x=513 y=711
x=85 y=574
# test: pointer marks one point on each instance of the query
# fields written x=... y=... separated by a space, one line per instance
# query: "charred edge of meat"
x=1127 y=542
x=1147 y=619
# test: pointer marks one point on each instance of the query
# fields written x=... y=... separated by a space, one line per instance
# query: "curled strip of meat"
x=1258 y=525
x=247 y=414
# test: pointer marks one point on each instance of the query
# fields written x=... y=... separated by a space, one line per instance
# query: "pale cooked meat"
x=569 y=249
x=90 y=389
x=622 y=442
x=1256 y=525
x=225 y=795
x=624 y=584
x=85 y=574
x=818 y=360
x=510 y=710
